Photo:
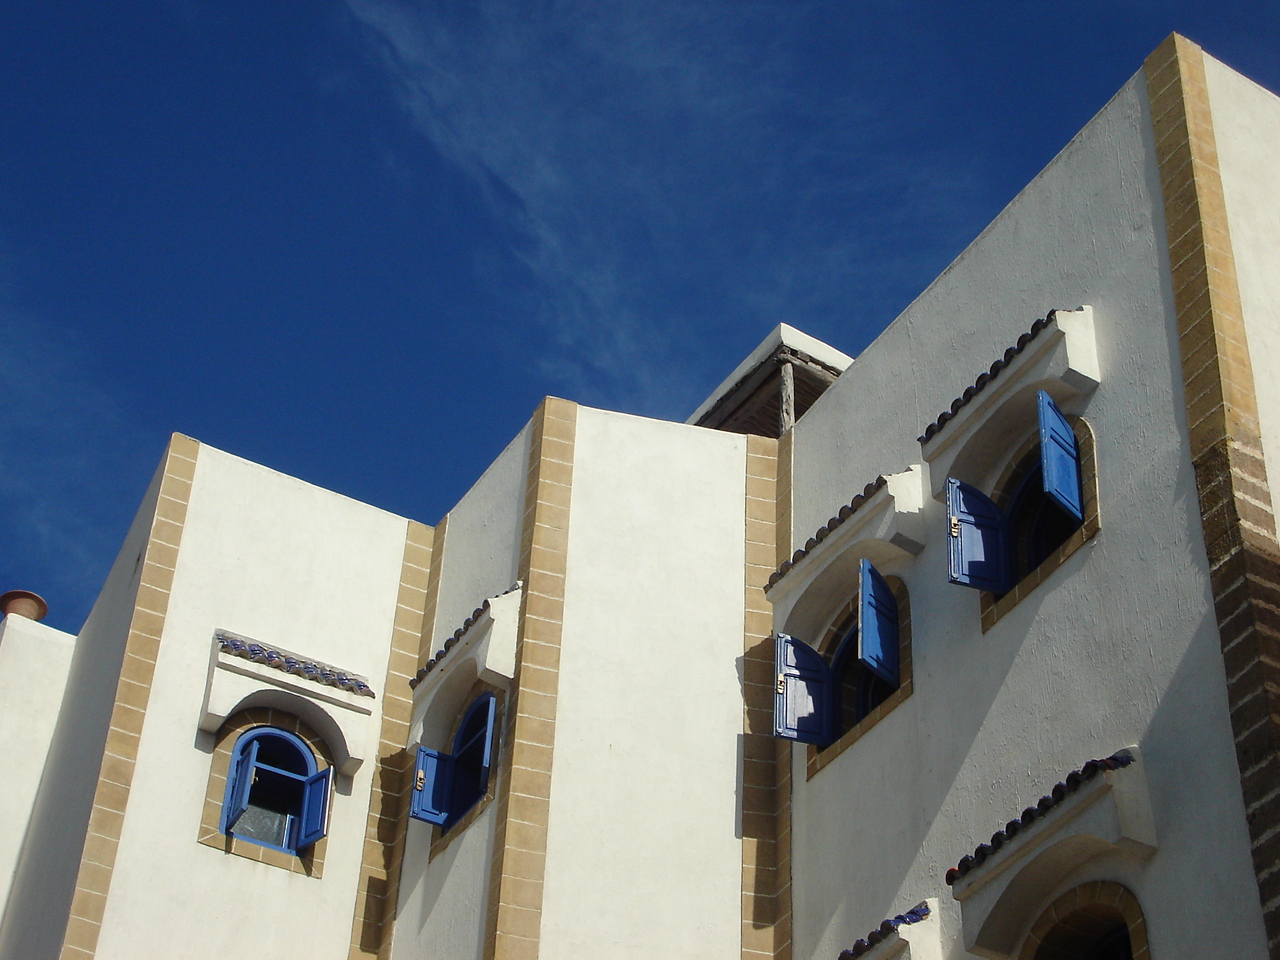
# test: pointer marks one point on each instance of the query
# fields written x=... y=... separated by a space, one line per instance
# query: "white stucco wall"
x=281 y=561
x=481 y=556
x=1246 y=126
x=643 y=859
x=1119 y=646
x=34 y=662
x=442 y=903
x=35 y=914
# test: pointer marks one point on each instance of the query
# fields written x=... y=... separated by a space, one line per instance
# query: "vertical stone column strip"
x=766 y=920
x=433 y=593
x=388 y=818
x=133 y=690
x=1226 y=443
x=514 y=907
x=782 y=748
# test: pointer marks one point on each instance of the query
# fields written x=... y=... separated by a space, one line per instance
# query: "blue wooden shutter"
x=433 y=774
x=1059 y=458
x=803 y=705
x=315 y=807
x=977 y=551
x=241 y=783
x=486 y=758
x=878 y=626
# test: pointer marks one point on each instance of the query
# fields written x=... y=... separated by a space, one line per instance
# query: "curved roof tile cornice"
x=1067 y=786
x=887 y=927
x=827 y=529
x=455 y=639
x=985 y=378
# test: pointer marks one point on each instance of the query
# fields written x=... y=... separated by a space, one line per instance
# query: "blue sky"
x=358 y=241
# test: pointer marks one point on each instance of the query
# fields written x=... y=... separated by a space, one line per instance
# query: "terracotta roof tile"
x=917 y=913
x=453 y=640
x=1069 y=785
x=985 y=378
x=825 y=531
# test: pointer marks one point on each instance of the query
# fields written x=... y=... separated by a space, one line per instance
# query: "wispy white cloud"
x=69 y=463
x=671 y=174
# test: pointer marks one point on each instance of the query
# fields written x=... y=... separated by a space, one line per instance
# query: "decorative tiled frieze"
x=280 y=659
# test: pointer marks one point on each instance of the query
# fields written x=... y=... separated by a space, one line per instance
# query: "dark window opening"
x=1037 y=523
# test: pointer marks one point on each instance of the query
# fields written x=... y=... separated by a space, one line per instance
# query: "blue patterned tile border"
x=285 y=662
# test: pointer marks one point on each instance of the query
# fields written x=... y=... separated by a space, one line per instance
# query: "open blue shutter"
x=878 y=626
x=315 y=807
x=487 y=757
x=433 y=774
x=803 y=708
x=977 y=552
x=241 y=783
x=1059 y=458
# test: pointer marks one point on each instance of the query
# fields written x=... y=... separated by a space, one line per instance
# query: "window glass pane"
x=273 y=798
x=267 y=826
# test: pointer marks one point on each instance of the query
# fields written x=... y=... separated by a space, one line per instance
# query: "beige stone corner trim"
x=1226 y=445
x=766 y=763
x=133 y=690
x=388 y=820
x=433 y=593
x=514 y=908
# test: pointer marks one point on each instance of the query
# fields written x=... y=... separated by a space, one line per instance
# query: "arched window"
x=1043 y=509
x=448 y=785
x=824 y=695
x=865 y=661
x=275 y=796
x=991 y=548
x=1097 y=921
x=1038 y=524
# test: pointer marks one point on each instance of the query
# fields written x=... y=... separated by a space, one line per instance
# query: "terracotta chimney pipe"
x=24 y=603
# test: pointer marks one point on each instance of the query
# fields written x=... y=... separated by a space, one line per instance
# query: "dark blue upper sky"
x=358 y=241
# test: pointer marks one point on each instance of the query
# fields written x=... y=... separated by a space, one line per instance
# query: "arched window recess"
x=817 y=700
x=992 y=548
x=275 y=795
x=970 y=439
x=1101 y=809
x=447 y=785
x=883 y=524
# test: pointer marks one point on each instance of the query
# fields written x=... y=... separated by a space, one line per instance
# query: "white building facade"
x=963 y=648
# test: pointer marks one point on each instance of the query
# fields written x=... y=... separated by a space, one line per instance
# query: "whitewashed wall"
x=442 y=901
x=481 y=555
x=35 y=915
x=1119 y=646
x=1246 y=125
x=643 y=859
x=287 y=563
x=34 y=662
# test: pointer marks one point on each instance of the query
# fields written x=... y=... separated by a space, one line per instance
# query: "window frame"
x=994 y=606
x=315 y=788
x=990 y=521
x=833 y=639
x=808 y=693
x=434 y=797
x=307 y=862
